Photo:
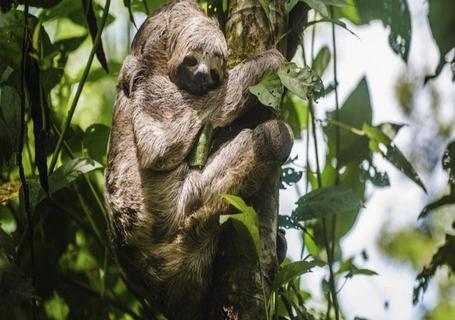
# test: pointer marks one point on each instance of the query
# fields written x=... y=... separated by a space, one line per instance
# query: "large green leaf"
x=61 y=178
x=326 y=201
x=245 y=223
x=303 y=82
x=442 y=23
x=70 y=171
x=293 y=270
x=269 y=90
x=355 y=112
x=381 y=143
x=12 y=29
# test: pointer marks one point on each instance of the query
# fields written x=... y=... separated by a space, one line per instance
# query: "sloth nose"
x=202 y=80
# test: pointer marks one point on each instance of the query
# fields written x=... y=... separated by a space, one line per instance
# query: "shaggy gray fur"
x=163 y=214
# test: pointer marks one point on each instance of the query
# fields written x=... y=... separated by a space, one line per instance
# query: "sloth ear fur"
x=130 y=75
x=130 y=86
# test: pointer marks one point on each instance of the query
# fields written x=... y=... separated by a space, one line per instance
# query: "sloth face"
x=200 y=72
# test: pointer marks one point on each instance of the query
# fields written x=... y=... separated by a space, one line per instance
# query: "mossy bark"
x=242 y=284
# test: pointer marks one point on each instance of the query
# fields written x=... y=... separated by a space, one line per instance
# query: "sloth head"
x=198 y=54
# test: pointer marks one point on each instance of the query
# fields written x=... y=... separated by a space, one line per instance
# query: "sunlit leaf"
x=56 y=308
x=303 y=82
x=9 y=190
x=245 y=223
x=324 y=202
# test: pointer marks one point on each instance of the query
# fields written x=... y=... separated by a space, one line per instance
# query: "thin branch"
x=25 y=44
x=324 y=220
x=337 y=154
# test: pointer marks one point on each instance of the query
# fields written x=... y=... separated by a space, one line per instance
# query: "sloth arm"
x=165 y=124
x=233 y=98
x=168 y=119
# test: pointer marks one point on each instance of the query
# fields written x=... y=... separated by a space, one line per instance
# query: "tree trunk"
x=242 y=285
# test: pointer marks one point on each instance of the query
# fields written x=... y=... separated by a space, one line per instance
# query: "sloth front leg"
x=238 y=167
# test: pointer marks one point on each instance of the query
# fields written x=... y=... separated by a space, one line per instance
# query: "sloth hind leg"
x=240 y=166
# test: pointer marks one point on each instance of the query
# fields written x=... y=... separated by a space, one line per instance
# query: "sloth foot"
x=274 y=140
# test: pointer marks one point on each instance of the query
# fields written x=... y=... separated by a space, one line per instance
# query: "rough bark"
x=242 y=285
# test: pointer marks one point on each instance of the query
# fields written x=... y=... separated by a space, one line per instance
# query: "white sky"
x=398 y=205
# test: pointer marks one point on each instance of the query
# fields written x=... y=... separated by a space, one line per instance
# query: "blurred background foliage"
x=61 y=77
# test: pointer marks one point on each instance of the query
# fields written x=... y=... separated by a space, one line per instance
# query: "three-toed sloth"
x=164 y=215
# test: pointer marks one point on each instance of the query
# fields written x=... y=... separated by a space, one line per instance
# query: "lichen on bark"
x=242 y=284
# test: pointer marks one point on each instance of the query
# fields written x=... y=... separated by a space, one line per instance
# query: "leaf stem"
x=337 y=156
x=324 y=220
x=68 y=119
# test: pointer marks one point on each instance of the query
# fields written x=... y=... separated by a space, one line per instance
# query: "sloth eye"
x=190 y=61
x=215 y=76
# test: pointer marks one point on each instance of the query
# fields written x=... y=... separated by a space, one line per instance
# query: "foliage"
x=57 y=85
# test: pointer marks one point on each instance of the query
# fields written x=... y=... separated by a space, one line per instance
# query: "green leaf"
x=321 y=61
x=60 y=178
x=10 y=110
x=362 y=271
x=288 y=222
x=289 y=5
x=269 y=90
x=395 y=15
x=245 y=223
x=89 y=12
x=390 y=129
x=303 y=82
x=96 y=138
x=289 y=176
x=442 y=22
x=355 y=111
x=70 y=171
x=337 y=3
x=381 y=143
x=7 y=245
x=236 y=202
x=444 y=201
x=326 y=201
x=448 y=161
x=293 y=270
x=319 y=6
x=12 y=26
x=265 y=6
x=56 y=307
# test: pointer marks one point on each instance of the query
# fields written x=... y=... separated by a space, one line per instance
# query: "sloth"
x=163 y=214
